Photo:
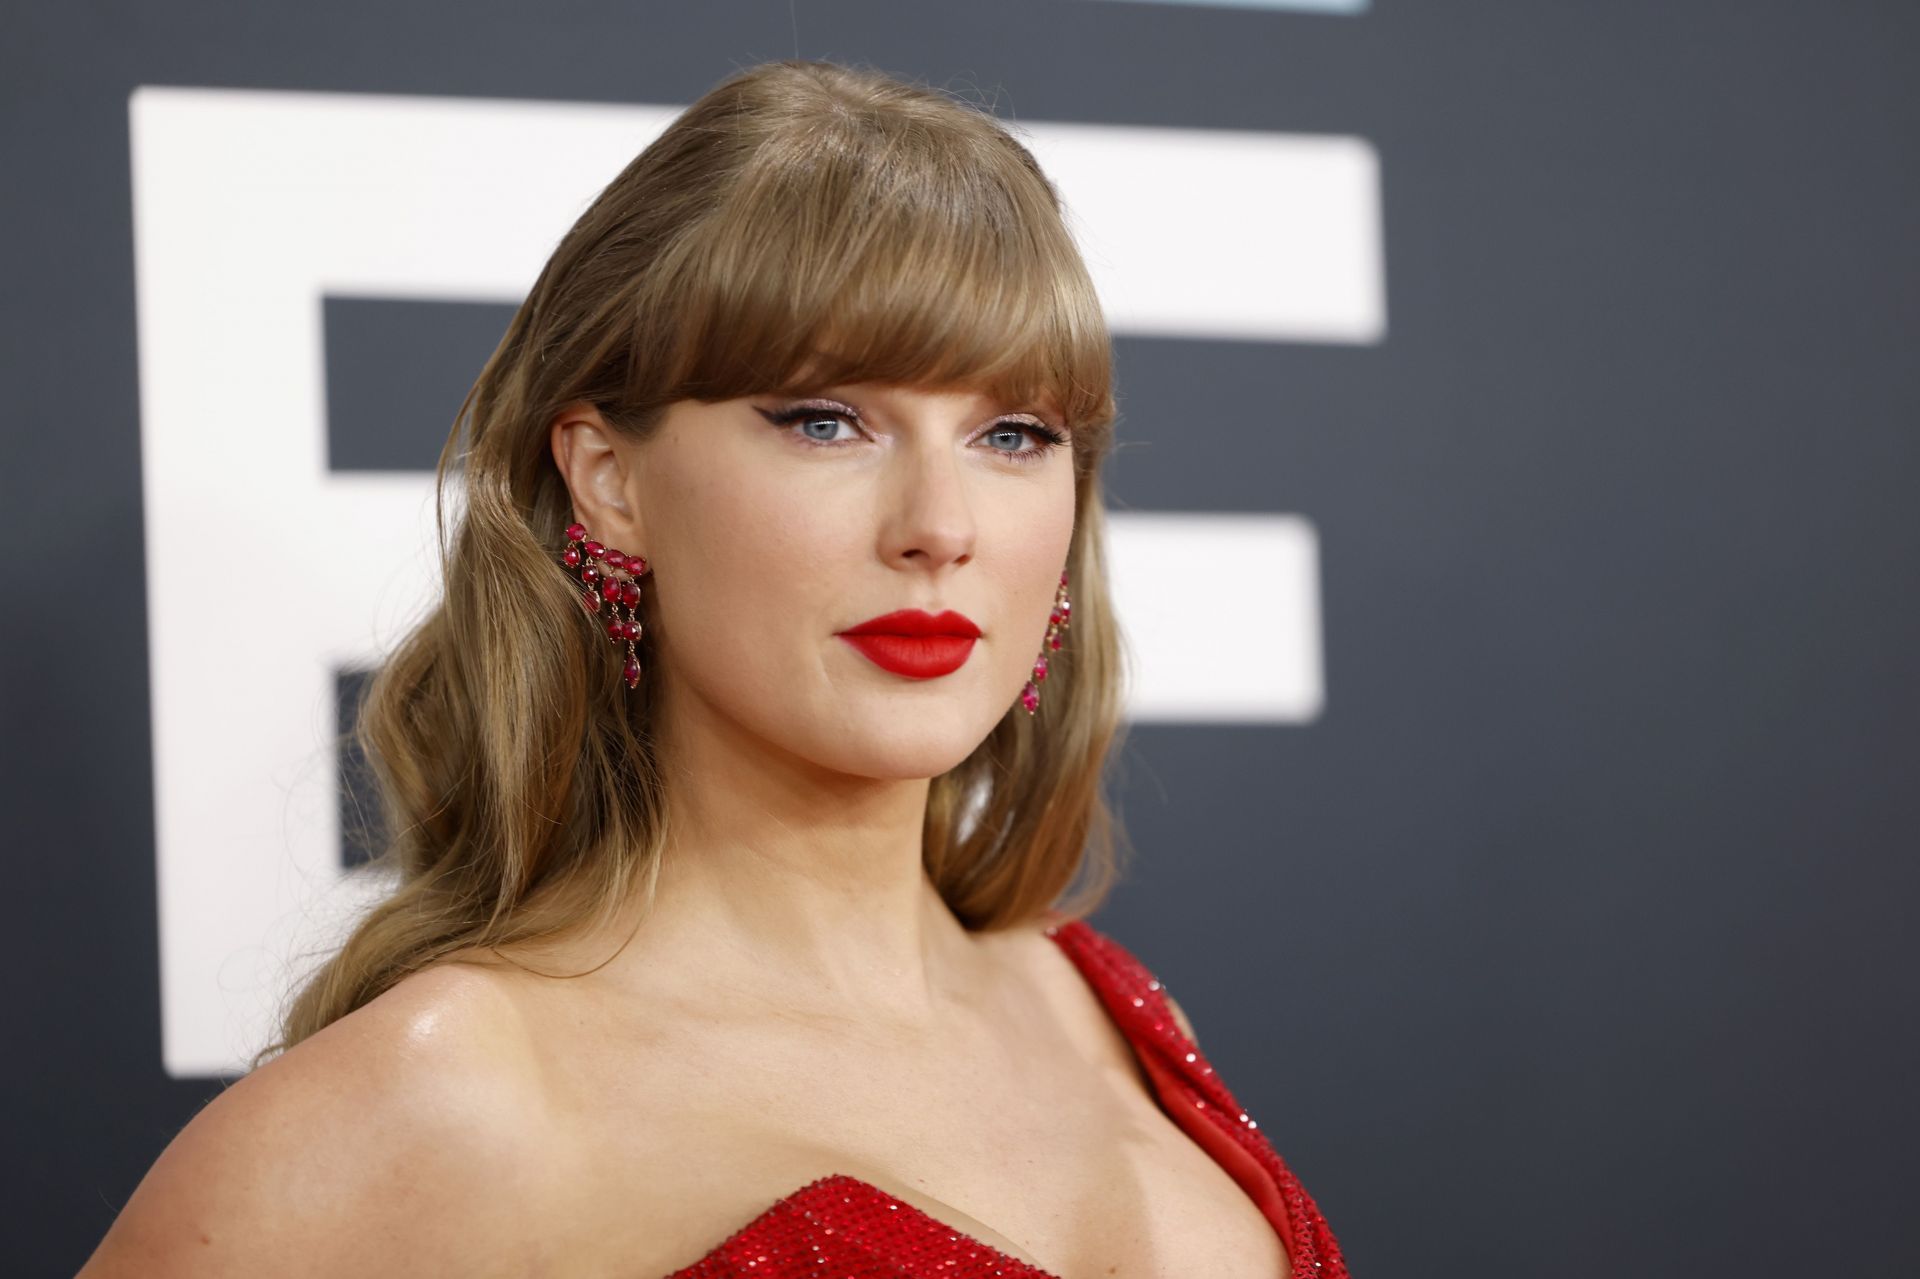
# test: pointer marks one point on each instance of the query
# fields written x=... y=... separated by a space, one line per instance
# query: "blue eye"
x=808 y=416
x=1002 y=431
x=806 y=419
x=1049 y=438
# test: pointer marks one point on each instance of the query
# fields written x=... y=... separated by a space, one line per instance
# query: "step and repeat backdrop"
x=1513 y=525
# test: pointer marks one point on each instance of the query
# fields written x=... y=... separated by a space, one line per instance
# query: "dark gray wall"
x=1574 y=938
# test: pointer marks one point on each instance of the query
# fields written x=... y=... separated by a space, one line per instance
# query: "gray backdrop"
x=1573 y=937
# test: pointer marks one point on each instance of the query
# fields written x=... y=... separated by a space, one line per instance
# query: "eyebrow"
x=844 y=390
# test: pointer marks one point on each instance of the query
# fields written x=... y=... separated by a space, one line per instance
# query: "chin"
x=897 y=739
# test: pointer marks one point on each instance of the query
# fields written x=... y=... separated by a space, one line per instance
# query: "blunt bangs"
x=841 y=256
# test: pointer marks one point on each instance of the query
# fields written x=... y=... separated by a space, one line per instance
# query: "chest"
x=1074 y=1170
x=1182 y=1215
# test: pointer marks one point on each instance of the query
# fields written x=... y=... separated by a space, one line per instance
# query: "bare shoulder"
x=1029 y=949
x=1043 y=959
x=405 y=1138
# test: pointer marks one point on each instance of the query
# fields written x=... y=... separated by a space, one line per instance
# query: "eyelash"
x=1051 y=438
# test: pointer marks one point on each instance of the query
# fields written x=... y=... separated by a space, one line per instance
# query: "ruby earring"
x=1057 y=622
x=612 y=580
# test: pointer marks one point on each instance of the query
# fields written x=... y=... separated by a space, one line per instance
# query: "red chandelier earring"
x=1057 y=622
x=612 y=580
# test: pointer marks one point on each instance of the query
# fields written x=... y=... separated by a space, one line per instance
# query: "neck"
x=802 y=885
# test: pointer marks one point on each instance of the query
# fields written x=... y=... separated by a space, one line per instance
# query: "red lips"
x=914 y=642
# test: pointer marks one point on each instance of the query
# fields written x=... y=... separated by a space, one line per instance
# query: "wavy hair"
x=803 y=224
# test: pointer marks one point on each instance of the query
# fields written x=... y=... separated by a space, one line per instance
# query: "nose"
x=931 y=521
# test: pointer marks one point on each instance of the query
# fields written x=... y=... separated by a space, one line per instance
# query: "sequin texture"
x=841 y=1227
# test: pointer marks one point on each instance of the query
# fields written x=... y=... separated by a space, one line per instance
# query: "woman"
x=738 y=773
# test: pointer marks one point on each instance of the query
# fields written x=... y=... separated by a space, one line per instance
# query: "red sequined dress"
x=839 y=1227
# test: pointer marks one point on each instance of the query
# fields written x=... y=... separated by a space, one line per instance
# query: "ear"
x=597 y=464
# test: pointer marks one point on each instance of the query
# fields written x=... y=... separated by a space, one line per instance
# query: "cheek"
x=1041 y=557
x=1030 y=548
x=752 y=579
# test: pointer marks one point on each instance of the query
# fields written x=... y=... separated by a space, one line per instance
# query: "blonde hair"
x=803 y=224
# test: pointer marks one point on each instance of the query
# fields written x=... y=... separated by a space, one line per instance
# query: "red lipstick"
x=914 y=642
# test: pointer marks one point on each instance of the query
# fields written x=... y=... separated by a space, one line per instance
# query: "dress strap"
x=1196 y=1098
